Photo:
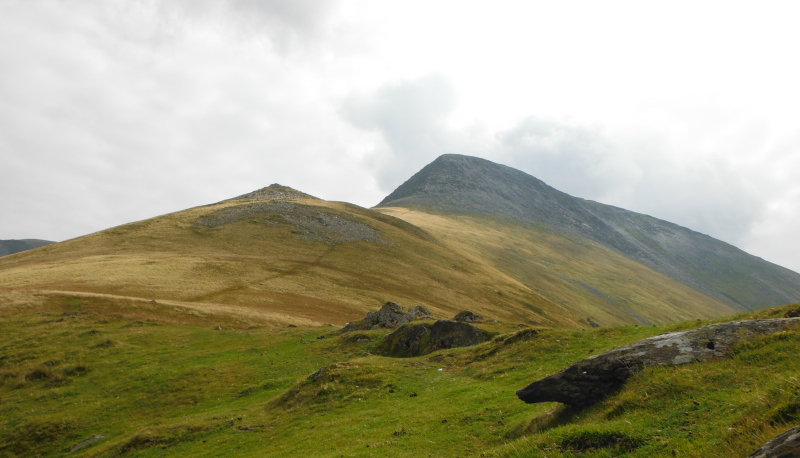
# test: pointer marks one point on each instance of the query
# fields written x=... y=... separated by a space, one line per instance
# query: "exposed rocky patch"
x=423 y=338
x=389 y=316
x=592 y=379
x=467 y=317
x=275 y=191
x=309 y=222
x=786 y=445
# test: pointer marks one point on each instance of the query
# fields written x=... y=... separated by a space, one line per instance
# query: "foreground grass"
x=169 y=390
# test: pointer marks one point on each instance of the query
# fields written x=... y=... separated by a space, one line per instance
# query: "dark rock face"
x=456 y=184
x=390 y=316
x=423 y=338
x=786 y=445
x=594 y=378
x=467 y=317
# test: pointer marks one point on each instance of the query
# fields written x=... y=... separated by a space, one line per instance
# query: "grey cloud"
x=705 y=194
x=575 y=159
x=411 y=117
x=289 y=25
x=97 y=133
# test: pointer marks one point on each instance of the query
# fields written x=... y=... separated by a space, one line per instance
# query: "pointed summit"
x=274 y=191
x=466 y=184
x=463 y=185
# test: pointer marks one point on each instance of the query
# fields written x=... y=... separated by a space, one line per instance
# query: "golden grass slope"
x=587 y=279
x=271 y=257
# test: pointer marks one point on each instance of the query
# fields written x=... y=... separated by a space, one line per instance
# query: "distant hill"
x=15 y=246
x=470 y=186
x=278 y=256
x=274 y=256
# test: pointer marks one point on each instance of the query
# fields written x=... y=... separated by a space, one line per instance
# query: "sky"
x=121 y=110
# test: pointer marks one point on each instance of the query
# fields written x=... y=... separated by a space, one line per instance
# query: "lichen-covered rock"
x=593 y=378
x=389 y=316
x=786 y=445
x=467 y=317
x=423 y=338
x=525 y=334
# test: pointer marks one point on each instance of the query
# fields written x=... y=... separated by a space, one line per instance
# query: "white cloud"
x=119 y=110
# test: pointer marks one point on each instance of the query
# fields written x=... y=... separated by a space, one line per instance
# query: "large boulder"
x=423 y=338
x=593 y=378
x=786 y=445
x=389 y=316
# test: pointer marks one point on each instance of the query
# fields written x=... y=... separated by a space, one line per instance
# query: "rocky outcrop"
x=786 y=445
x=467 y=317
x=592 y=379
x=389 y=316
x=423 y=338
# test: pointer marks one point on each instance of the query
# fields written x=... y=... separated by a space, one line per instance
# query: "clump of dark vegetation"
x=611 y=441
x=162 y=437
x=37 y=434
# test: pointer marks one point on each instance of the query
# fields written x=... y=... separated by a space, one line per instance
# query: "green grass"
x=171 y=390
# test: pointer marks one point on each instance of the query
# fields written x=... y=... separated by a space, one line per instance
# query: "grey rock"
x=423 y=338
x=89 y=441
x=389 y=316
x=525 y=334
x=786 y=445
x=594 y=378
x=308 y=222
x=467 y=317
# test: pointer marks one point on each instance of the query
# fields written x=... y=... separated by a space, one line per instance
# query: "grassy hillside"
x=149 y=388
x=588 y=279
x=278 y=256
x=275 y=257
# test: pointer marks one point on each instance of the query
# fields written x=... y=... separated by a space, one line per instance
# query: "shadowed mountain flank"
x=16 y=246
x=463 y=185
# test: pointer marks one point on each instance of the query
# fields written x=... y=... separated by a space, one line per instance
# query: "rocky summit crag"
x=455 y=184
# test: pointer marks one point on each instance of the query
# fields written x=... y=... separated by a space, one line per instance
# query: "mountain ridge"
x=456 y=184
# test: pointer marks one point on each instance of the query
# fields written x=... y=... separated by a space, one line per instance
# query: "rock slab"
x=389 y=316
x=467 y=317
x=786 y=445
x=592 y=379
x=423 y=338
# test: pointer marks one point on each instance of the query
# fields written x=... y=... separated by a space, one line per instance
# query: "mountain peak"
x=275 y=191
x=455 y=184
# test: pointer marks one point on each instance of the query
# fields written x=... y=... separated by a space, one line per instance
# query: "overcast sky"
x=118 y=110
